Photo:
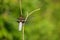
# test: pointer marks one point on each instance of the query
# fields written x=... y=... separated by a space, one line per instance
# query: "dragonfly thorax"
x=21 y=19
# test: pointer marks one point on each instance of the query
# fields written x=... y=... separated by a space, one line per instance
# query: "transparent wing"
x=32 y=20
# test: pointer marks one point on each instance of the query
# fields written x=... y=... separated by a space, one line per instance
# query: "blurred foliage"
x=41 y=25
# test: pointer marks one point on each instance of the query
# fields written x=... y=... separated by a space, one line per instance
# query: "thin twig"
x=31 y=13
x=23 y=33
x=26 y=17
x=21 y=15
x=21 y=6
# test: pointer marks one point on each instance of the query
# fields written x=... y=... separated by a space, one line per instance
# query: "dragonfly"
x=22 y=20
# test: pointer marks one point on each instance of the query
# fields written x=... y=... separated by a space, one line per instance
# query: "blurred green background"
x=41 y=25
